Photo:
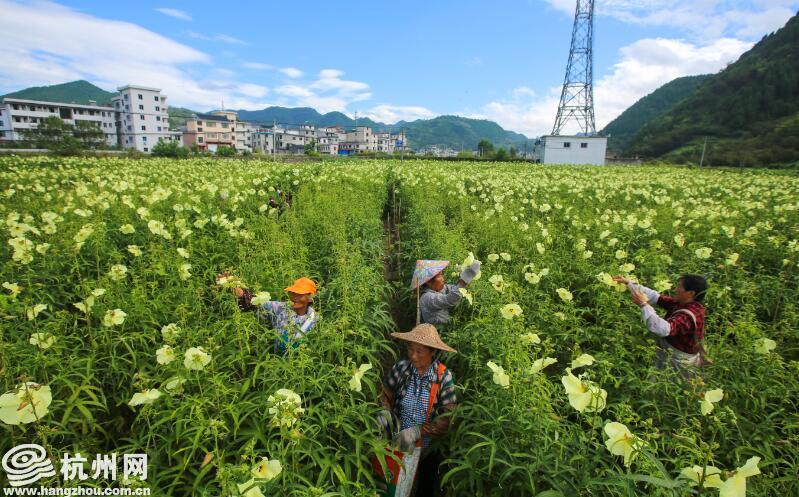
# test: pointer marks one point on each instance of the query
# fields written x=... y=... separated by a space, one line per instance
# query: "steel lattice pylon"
x=577 y=97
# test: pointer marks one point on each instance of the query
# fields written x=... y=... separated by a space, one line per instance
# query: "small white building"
x=563 y=149
x=20 y=115
x=142 y=118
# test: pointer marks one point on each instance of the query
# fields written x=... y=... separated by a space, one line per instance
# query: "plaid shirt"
x=290 y=326
x=412 y=393
x=683 y=335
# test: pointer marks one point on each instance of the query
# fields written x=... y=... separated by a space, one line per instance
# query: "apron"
x=400 y=474
x=683 y=362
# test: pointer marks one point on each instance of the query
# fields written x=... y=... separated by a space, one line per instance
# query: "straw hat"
x=424 y=334
x=425 y=271
x=302 y=286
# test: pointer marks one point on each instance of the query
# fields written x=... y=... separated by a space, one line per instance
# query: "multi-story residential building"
x=211 y=131
x=245 y=132
x=20 y=115
x=142 y=118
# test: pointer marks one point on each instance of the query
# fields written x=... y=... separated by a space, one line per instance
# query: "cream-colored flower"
x=732 y=259
x=498 y=282
x=540 y=364
x=183 y=252
x=679 y=239
x=42 y=340
x=704 y=252
x=467 y=295
x=532 y=278
x=144 y=397
x=285 y=407
x=711 y=397
x=493 y=257
x=196 y=358
x=355 y=381
x=540 y=248
x=735 y=486
x=564 y=294
x=510 y=311
x=185 y=271
x=765 y=346
x=135 y=250
x=584 y=396
x=621 y=254
x=500 y=377
x=250 y=488
x=505 y=256
x=530 y=339
x=694 y=474
x=14 y=288
x=33 y=312
x=583 y=360
x=127 y=229
x=174 y=385
x=261 y=298
x=25 y=404
x=170 y=332
x=117 y=272
x=165 y=355
x=114 y=317
x=621 y=442
x=662 y=285
x=267 y=469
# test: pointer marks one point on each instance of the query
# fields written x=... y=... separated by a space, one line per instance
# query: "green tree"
x=485 y=148
x=169 y=149
x=513 y=153
x=89 y=134
x=501 y=154
x=225 y=151
x=465 y=154
x=310 y=147
x=55 y=135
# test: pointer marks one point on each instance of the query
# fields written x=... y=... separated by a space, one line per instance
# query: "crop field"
x=117 y=336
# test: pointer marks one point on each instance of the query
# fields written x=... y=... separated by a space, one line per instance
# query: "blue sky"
x=502 y=60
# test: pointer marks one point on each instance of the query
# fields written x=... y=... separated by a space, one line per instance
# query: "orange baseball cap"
x=302 y=286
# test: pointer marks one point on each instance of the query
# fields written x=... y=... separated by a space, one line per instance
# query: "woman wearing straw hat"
x=292 y=320
x=434 y=297
x=419 y=391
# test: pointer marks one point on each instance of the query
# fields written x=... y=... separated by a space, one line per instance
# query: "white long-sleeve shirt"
x=654 y=323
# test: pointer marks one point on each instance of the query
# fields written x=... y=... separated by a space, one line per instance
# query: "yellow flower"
x=165 y=355
x=127 y=229
x=493 y=257
x=250 y=489
x=498 y=282
x=285 y=407
x=621 y=442
x=468 y=262
x=540 y=364
x=584 y=396
x=25 y=404
x=710 y=398
x=510 y=311
x=260 y=298
x=704 y=252
x=183 y=252
x=117 y=272
x=712 y=476
x=184 y=271
x=500 y=377
x=467 y=295
x=170 y=332
x=606 y=278
x=34 y=311
x=765 y=346
x=583 y=360
x=196 y=358
x=144 y=397
x=113 y=318
x=14 y=288
x=43 y=340
x=662 y=285
x=174 y=385
x=735 y=486
x=679 y=239
x=135 y=250
x=532 y=278
x=540 y=248
x=505 y=256
x=530 y=339
x=355 y=381
x=564 y=295
x=732 y=259
x=621 y=254
x=267 y=469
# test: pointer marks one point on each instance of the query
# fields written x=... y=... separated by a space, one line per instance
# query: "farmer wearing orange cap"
x=292 y=320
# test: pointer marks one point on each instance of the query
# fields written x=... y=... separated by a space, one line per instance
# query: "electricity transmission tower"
x=577 y=98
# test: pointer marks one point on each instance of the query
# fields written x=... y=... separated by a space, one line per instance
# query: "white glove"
x=407 y=438
x=383 y=419
x=470 y=272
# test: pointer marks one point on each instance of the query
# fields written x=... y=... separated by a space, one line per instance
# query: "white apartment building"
x=20 y=115
x=142 y=118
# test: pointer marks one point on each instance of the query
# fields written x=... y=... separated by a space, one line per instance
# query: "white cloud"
x=291 y=72
x=177 y=14
x=259 y=66
x=220 y=37
x=701 y=20
x=644 y=66
x=390 y=114
x=44 y=43
x=328 y=92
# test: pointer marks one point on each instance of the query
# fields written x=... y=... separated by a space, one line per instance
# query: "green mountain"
x=621 y=131
x=79 y=92
x=448 y=131
x=749 y=112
